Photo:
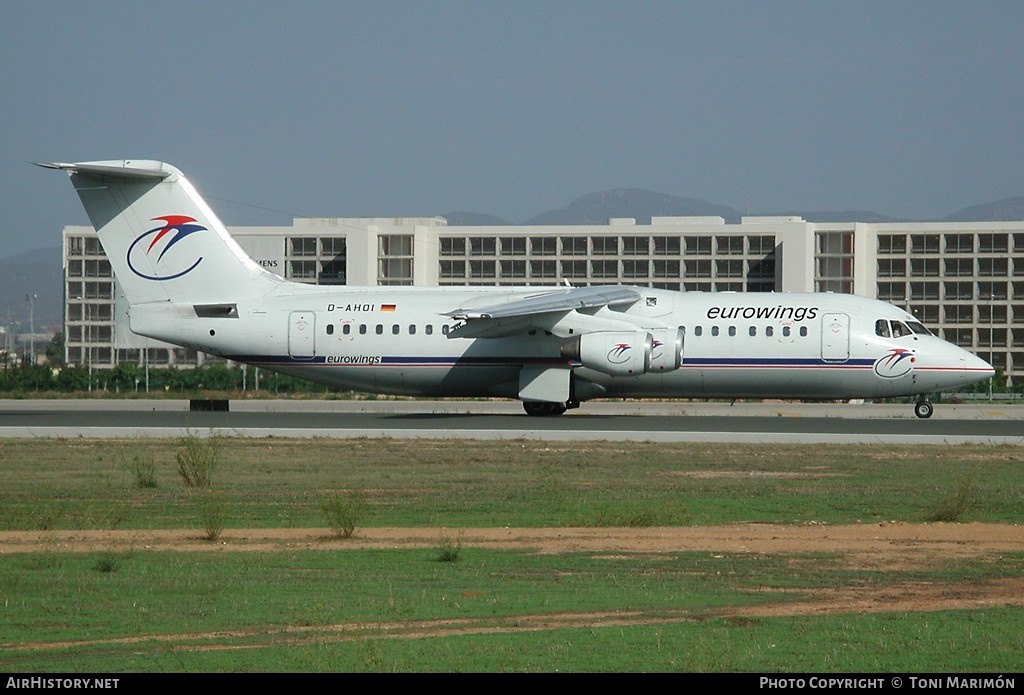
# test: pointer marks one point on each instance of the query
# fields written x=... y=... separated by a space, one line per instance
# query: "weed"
x=107 y=561
x=344 y=512
x=212 y=508
x=449 y=549
x=953 y=506
x=197 y=458
x=139 y=463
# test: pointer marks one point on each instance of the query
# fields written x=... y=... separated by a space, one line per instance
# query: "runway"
x=500 y=420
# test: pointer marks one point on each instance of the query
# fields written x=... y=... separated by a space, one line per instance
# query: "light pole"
x=32 y=325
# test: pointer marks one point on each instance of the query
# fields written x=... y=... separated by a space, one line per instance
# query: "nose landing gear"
x=923 y=409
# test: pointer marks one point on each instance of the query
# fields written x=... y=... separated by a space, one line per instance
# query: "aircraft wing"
x=540 y=311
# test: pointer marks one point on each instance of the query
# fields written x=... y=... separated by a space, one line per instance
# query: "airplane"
x=189 y=283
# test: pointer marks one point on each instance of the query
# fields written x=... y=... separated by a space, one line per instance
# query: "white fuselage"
x=395 y=341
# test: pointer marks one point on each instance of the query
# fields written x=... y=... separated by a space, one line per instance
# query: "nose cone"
x=966 y=369
x=979 y=367
x=942 y=366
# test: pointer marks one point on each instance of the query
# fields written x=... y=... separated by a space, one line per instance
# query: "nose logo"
x=895 y=363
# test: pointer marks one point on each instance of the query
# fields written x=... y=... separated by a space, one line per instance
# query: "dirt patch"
x=889 y=546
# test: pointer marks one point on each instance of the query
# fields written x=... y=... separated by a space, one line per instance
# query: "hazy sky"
x=513 y=108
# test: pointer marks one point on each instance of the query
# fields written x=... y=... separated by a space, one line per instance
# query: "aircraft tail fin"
x=163 y=241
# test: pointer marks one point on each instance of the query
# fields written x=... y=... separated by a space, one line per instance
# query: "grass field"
x=621 y=586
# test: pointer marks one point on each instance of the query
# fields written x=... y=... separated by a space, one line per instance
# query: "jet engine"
x=618 y=353
x=667 y=353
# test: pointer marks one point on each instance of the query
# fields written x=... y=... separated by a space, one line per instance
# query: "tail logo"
x=895 y=363
x=146 y=255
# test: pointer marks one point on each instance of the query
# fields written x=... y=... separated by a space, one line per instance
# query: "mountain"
x=39 y=273
x=597 y=208
x=1007 y=209
x=843 y=216
x=474 y=219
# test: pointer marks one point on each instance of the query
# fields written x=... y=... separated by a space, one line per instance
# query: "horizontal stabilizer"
x=129 y=170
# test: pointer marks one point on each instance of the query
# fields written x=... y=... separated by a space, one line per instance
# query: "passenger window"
x=732 y=331
x=396 y=329
x=444 y=329
x=785 y=331
x=753 y=331
x=362 y=329
x=347 y=328
x=698 y=330
x=330 y=329
x=429 y=330
x=882 y=328
x=803 y=331
x=714 y=330
x=379 y=329
x=769 y=331
x=412 y=329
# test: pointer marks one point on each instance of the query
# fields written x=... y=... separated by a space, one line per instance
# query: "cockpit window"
x=882 y=328
x=918 y=328
x=899 y=329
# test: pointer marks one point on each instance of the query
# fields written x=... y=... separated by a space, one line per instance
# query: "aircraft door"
x=835 y=337
x=301 y=325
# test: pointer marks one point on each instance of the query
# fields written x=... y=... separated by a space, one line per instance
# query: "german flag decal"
x=387 y=307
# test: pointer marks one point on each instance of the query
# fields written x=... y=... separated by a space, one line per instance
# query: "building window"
x=483 y=246
x=544 y=245
x=892 y=267
x=395 y=262
x=697 y=269
x=635 y=269
x=959 y=243
x=635 y=246
x=666 y=269
x=574 y=246
x=605 y=269
x=482 y=269
x=605 y=245
x=729 y=269
x=761 y=245
x=729 y=245
x=543 y=269
x=453 y=269
x=892 y=291
x=698 y=246
x=924 y=243
x=924 y=267
x=993 y=267
x=574 y=269
x=396 y=245
x=959 y=267
x=302 y=246
x=666 y=246
x=513 y=246
x=301 y=270
x=452 y=247
x=996 y=243
x=513 y=269
x=892 y=243
x=833 y=262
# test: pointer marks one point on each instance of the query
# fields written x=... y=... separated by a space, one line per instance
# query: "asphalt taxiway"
x=986 y=423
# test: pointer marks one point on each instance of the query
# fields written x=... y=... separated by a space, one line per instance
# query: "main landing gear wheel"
x=541 y=408
x=923 y=409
